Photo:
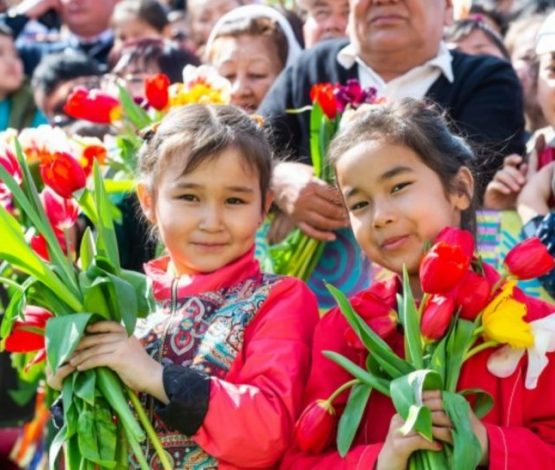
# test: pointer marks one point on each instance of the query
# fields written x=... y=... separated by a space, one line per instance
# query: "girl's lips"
x=394 y=243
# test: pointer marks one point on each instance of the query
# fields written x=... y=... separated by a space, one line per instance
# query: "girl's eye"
x=258 y=76
x=357 y=206
x=235 y=201
x=399 y=186
x=188 y=197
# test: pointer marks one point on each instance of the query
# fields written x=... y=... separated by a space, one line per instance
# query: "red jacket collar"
x=162 y=280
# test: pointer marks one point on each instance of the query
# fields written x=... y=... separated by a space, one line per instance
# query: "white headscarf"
x=260 y=11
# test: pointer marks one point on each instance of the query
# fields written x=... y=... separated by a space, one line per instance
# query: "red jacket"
x=255 y=395
x=520 y=427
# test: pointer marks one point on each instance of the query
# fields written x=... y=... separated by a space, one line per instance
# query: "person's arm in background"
x=18 y=16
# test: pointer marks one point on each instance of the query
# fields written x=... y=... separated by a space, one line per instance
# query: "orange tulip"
x=63 y=174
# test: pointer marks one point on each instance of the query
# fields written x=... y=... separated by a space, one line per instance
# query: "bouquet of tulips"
x=298 y=254
x=466 y=308
x=66 y=290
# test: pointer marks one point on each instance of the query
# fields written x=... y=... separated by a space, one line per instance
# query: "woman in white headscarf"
x=249 y=46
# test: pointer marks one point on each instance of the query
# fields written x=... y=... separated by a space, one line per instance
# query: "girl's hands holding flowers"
x=54 y=381
x=108 y=345
x=398 y=448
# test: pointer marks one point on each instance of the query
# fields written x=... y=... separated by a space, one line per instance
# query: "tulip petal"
x=503 y=362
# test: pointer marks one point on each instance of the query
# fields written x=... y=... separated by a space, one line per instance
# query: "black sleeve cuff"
x=189 y=392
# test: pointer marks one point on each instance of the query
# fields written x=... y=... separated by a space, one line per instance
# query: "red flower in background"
x=354 y=95
x=61 y=212
x=63 y=174
x=10 y=163
x=473 y=294
x=40 y=246
x=21 y=339
x=529 y=259
x=156 y=91
x=314 y=428
x=92 y=105
x=444 y=266
x=92 y=153
x=322 y=93
x=436 y=317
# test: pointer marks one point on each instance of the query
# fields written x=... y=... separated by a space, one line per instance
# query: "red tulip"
x=473 y=294
x=436 y=317
x=10 y=163
x=322 y=93
x=63 y=174
x=314 y=428
x=444 y=266
x=22 y=340
x=92 y=105
x=92 y=153
x=156 y=91
x=62 y=213
x=40 y=247
x=529 y=259
x=458 y=237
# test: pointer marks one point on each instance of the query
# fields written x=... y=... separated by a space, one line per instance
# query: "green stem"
x=481 y=347
x=150 y=432
x=499 y=283
x=342 y=388
x=134 y=444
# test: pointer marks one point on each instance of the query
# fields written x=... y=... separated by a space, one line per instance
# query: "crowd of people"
x=232 y=354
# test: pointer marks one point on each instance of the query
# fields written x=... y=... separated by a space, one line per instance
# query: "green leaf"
x=419 y=418
x=87 y=250
x=63 y=335
x=392 y=364
x=137 y=115
x=97 y=297
x=317 y=158
x=106 y=243
x=381 y=385
x=119 y=186
x=143 y=292
x=351 y=417
x=14 y=310
x=483 y=401
x=467 y=451
x=124 y=301
x=84 y=386
x=406 y=394
x=411 y=323
x=97 y=436
x=460 y=339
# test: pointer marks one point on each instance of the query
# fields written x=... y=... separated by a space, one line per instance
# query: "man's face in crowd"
x=391 y=25
x=325 y=19
x=87 y=17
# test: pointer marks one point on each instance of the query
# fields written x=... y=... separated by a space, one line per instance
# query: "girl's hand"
x=502 y=191
x=55 y=381
x=397 y=448
x=108 y=345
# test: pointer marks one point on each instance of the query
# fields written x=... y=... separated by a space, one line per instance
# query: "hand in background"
x=534 y=198
x=316 y=207
x=108 y=345
x=503 y=190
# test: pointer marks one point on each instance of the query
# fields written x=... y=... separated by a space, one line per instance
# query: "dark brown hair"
x=420 y=127
x=197 y=133
x=257 y=27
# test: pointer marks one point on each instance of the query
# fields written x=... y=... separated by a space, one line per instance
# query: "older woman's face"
x=388 y=26
x=250 y=63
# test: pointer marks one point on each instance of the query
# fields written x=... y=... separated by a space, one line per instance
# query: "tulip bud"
x=436 y=317
x=473 y=294
x=62 y=213
x=442 y=268
x=21 y=340
x=314 y=428
x=457 y=237
x=156 y=91
x=63 y=174
x=529 y=259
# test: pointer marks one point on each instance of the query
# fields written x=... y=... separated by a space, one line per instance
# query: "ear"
x=146 y=200
x=267 y=203
x=463 y=189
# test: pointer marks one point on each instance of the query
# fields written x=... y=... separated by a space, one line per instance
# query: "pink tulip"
x=61 y=212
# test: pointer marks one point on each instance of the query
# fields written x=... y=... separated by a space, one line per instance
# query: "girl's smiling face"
x=208 y=217
x=396 y=203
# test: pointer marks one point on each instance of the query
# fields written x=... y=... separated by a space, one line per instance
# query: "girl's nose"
x=211 y=220
x=383 y=213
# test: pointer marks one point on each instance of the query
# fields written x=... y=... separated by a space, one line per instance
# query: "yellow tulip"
x=503 y=320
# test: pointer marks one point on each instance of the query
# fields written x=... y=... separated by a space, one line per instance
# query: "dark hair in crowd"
x=59 y=68
x=420 y=127
x=198 y=133
x=151 y=12
x=145 y=53
x=464 y=28
x=257 y=27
